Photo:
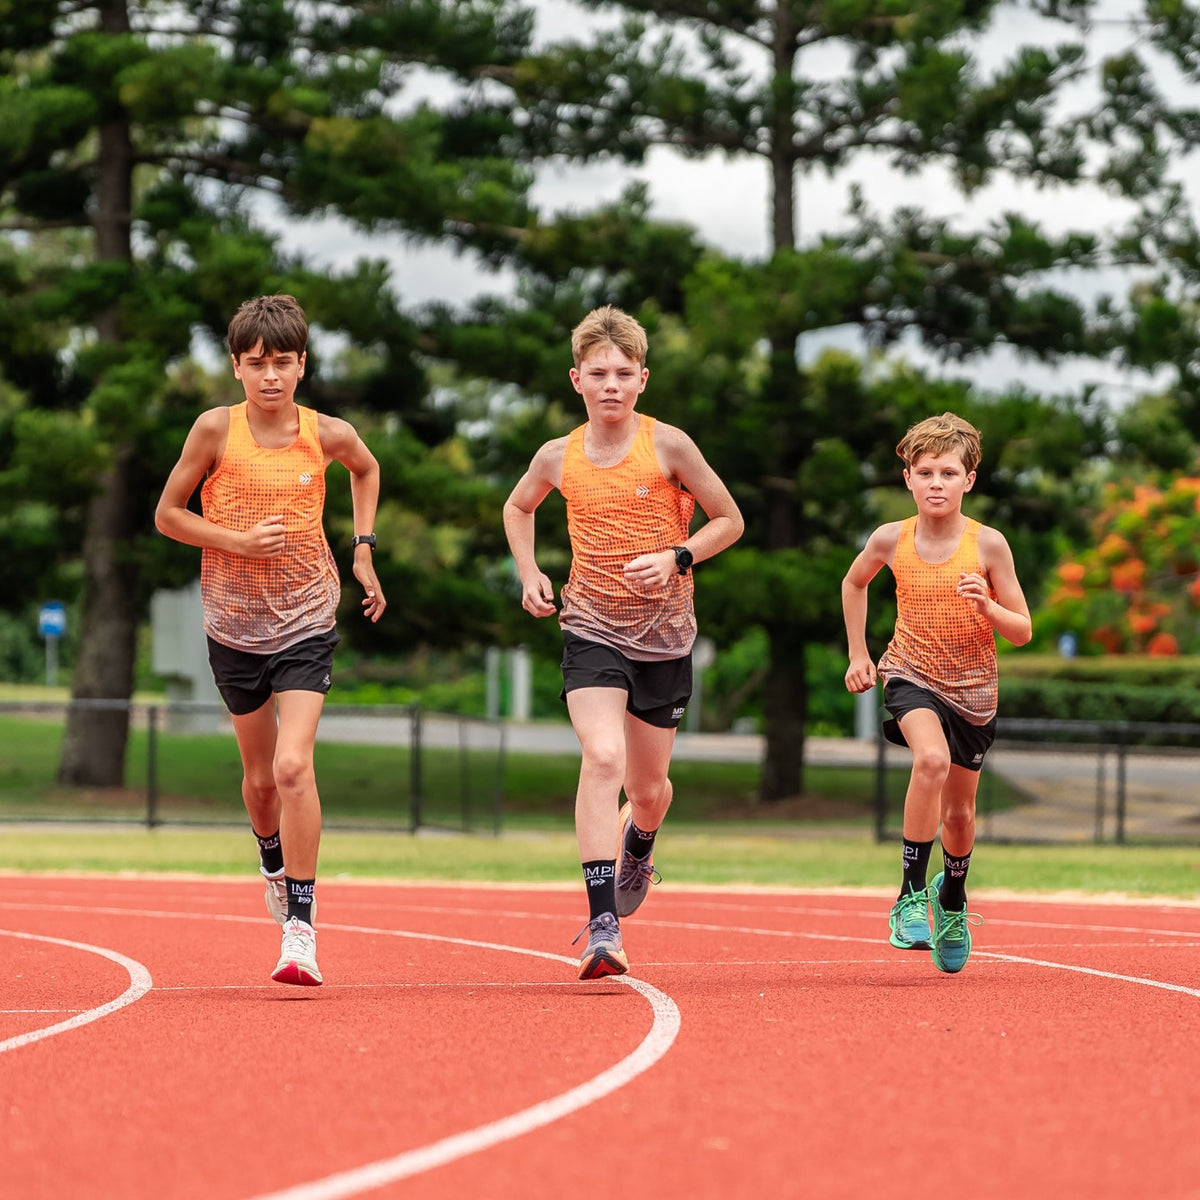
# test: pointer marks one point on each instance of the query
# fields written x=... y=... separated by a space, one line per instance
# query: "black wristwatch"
x=363 y=539
x=683 y=558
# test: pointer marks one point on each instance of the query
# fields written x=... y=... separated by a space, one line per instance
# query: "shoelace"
x=913 y=905
x=598 y=925
x=954 y=929
x=298 y=943
x=636 y=873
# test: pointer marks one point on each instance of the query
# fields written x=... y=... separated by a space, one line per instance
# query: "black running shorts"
x=247 y=681
x=658 y=692
x=968 y=743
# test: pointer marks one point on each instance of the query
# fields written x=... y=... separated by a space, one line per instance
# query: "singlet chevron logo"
x=306 y=479
x=643 y=491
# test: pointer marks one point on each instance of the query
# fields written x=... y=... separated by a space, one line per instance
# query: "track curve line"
x=139 y=984
x=653 y=1046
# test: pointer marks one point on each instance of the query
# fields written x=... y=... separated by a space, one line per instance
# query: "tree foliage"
x=146 y=152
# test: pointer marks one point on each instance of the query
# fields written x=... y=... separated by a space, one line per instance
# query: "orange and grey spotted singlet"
x=615 y=514
x=941 y=643
x=264 y=605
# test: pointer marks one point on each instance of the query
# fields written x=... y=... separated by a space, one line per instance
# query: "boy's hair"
x=278 y=320
x=609 y=326
x=946 y=434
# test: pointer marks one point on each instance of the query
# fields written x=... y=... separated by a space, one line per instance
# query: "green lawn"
x=716 y=834
x=685 y=857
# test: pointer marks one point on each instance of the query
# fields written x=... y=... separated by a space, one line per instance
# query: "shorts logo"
x=326 y=682
x=643 y=491
x=978 y=758
x=306 y=479
x=676 y=713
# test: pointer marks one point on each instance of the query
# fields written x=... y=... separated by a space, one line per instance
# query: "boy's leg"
x=598 y=717
x=908 y=920
x=649 y=792
x=299 y=831
x=948 y=896
x=256 y=734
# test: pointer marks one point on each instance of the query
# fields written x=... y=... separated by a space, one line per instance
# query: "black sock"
x=600 y=878
x=638 y=842
x=953 y=893
x=300 y=898
x=270 y=853
x=916 y=864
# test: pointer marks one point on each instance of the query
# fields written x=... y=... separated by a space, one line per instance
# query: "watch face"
x=683 y=558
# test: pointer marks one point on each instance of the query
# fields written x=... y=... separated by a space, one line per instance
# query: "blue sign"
x=52 y=619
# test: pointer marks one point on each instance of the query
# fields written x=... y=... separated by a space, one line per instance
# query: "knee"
x=958 y=816
x=604 y=760
x=648 y=794
x=258 y=786
x=932 y=764
x=292 y=772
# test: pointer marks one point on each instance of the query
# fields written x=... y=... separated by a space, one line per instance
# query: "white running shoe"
x=276 y=897
x=298 y=955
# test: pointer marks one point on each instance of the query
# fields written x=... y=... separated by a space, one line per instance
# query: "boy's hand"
x=860 y=675
x=537 y=596
x=649 y=572
x=974 y=588
x=266 y=539
x=364 y=571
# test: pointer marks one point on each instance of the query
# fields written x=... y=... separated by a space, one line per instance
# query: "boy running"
x=630 y=484
x=956 y=587
x=270 y=591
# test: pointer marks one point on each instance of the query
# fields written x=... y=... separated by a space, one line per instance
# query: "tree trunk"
x=93 y=749
x=785 y=707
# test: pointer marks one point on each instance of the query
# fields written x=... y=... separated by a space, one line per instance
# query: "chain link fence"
x=1071 y=781
x=382 y=767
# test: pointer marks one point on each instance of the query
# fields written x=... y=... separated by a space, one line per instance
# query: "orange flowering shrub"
x=1136 y=589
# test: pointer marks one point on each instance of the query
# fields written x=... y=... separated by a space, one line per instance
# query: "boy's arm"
x=1008 y=614
x=543 y=475
x=861 y=675
x=681 y=461
x=341 y=443
x=201 y=451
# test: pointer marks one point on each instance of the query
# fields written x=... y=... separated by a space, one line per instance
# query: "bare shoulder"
x=335 y=433
x=208 y=433
x=548 y=460
x=883 y=541
x=993 y=545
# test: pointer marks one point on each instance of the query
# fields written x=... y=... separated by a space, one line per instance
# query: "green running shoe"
x=909 y=921
x=951 y=945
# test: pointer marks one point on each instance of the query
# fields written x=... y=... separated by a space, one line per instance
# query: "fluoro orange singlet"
x=941 y=643
x=615 y=514
x=264 y=605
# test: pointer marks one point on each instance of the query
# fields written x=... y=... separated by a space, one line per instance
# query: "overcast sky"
x=727 y=202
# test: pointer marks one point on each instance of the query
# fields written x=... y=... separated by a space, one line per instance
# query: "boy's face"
x=269 y=379
x=609 y=383
x=938 y=483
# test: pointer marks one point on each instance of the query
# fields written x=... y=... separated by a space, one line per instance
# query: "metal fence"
x=1072 y=781
x=385 y=767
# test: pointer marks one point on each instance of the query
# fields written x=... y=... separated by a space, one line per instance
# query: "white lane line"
x=662 y=1033
x=1057 y=966
x=139 y=984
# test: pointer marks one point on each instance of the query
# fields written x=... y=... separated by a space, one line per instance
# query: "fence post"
x=880 y=785
x=152 y=766
x=414 y=767
x=1121 y=749
x=1101 y=772
x=498 y=794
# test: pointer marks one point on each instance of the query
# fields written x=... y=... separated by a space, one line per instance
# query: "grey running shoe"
x=605 y=954
x=634 y=875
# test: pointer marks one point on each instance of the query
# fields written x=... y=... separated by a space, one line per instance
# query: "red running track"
x=765 y=1044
